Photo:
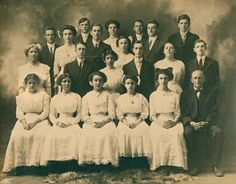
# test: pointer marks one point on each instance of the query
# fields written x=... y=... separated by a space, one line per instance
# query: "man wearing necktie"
x=183 y=40
x=48 y=52
x=79 y=70
x=204 y=63
x=202 y=134
x=142 y=69
x=153 y=46
x=84 y=28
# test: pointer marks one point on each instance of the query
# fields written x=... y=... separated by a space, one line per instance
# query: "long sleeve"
x=19 y=111
x=85 y=109
x=44 y=114
x=78 y=110
x=177 y=107
x=144 y=108
x=56 y=68
x=119 y=111
x=151 y=105
x=111 y=107
x=53 y=112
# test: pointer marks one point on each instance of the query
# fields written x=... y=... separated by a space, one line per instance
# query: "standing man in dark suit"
x=142 y=69
x=183 y=40
x=79 y=70
x=96 y=47
x=48 y=52
x=153 y=46
x=209 y=66
x=202 y=134
x=138 y=33
x=84 y=28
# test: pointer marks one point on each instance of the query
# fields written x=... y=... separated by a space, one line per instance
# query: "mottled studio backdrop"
x=23 y=21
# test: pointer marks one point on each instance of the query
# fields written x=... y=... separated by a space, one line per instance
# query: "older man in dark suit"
x=84 y=28
x=153 y=46
x=96 y=47
x=184 y=40
x=199 y=110
x=204 y=63
x=48 y=52
x=142 y=69
x=79 y=70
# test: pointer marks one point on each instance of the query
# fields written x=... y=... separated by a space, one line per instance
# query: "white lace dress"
x=25 y=146
x=168 y=145
x=112 y=42
x=62 y=143
x=98 y=145
x=133 y=142
x=178 y=73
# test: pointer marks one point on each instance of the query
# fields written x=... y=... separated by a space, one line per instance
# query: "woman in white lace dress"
x=112 y=27
x=65 y=53
x=114 y=75
x=178 y=68
x=168 y=144
x=133 y=131
x=124 y=52
x=26 y=141
x=98 y=143
x=33 y=65
x=61 y=142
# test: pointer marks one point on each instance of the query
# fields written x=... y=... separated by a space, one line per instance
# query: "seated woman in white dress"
x=32 y=52
x=133 y=131
x=112 y=26
x=167 y=140
x=61 y=142
x=98 y=142
x=65 y=53
x=178 y=68
x=114 y=75
x=124 y=52
x=26 y=141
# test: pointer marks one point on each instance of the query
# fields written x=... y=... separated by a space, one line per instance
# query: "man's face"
x=138 y=50
x=80 y=51
x=138 y=27
x=84 y=27
x=152 y=29
x=50 y=36
x=197 y=79
x=96 y=32
x=200 y=49
x=183 y=25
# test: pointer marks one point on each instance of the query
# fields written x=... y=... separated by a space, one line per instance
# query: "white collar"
x=201 y=57
x=51 y=45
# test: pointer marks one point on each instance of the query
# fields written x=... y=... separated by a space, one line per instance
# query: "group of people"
x=126 y=96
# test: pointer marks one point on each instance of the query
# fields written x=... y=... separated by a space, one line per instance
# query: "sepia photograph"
x=117 y=92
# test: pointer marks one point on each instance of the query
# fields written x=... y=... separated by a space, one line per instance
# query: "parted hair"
x=132 y=77
x=36 y=46
x=109 y=51
x=83 y=19
x=32 y=76
x=61 y=77
x=98 y=73
x=112 y=22
x=167 y=72
x=70 y=27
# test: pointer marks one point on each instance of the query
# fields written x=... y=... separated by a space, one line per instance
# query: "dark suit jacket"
x=94 y=55
x=210 y=69
x=48 y=59
x=79 y=77
x=184 y=50
x=134 y=38
x=146 y=86
x=156 y=52
x=80 y=39
x=202 y=109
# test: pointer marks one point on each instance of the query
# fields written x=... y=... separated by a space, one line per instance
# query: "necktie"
x=183 y=38
x=198 y=92
x=96 y=45
x=81 y=65
x=51 y=50
x=200 y=63
x=150 y=44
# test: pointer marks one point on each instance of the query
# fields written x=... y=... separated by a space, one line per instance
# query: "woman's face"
x=66 y=84
x=112 y=29
x=169 y=50
x=109 y=60
x=33 y=54
x=163 y=80
x=67 y=36
x=32 y=85
x=97 y=82
x=130 y=85
x=123 y=44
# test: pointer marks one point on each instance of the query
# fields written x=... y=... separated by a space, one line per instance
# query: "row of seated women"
x=34 y=142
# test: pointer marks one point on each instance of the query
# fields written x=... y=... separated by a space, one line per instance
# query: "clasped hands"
x=198 y=125
x=28 y=125
x=63 y=125
x=133 y=124
x=169 y=124
x=97 y=124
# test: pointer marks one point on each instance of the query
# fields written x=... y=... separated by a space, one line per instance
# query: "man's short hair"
x=200 y=41
x=184 y=16
x=50 y=28
x=84 y=19
x=154 y=22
